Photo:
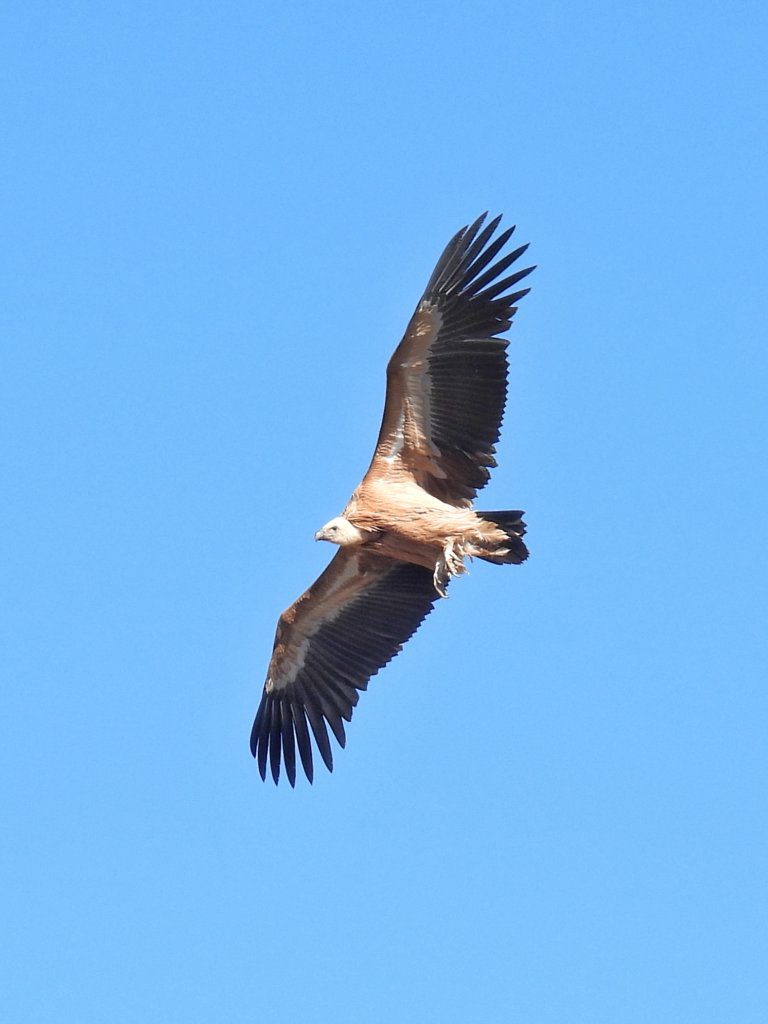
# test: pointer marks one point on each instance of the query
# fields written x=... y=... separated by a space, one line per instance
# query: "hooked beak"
x=319 y=535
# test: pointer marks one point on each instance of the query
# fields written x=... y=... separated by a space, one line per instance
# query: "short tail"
x=505 y=543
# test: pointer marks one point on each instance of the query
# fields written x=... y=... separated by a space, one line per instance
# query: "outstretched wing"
x=349 y=624
x=447 y=380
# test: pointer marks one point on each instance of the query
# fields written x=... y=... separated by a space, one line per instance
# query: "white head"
x=340 y=531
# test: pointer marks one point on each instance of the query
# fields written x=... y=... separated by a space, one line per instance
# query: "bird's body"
x=400 y=520
x=410 y=524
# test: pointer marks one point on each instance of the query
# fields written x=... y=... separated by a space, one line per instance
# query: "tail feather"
x=508 y=549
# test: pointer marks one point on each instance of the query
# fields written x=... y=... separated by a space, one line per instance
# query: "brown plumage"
x=410 y=524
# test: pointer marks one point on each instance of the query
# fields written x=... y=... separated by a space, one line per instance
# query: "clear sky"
x=216 y=220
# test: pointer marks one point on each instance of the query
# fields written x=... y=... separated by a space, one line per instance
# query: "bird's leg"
x=453 y=553
x=449 y=563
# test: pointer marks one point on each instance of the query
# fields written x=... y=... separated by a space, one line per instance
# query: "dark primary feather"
x=343 y=654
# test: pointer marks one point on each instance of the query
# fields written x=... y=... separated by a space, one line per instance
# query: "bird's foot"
x=441 y=576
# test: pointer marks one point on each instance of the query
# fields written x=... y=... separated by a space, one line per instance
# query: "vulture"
x=410 y=525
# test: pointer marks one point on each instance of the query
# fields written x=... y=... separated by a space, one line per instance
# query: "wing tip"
x=461 y=268
x=272 y=752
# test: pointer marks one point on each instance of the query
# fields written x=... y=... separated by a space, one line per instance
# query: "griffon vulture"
x=410 y=524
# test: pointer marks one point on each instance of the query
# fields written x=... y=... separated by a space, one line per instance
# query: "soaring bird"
x=410 y=524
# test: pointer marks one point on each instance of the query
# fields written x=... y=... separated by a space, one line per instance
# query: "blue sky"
x=216 y=220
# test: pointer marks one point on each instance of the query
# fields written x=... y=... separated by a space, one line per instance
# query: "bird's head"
x=340 y=531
